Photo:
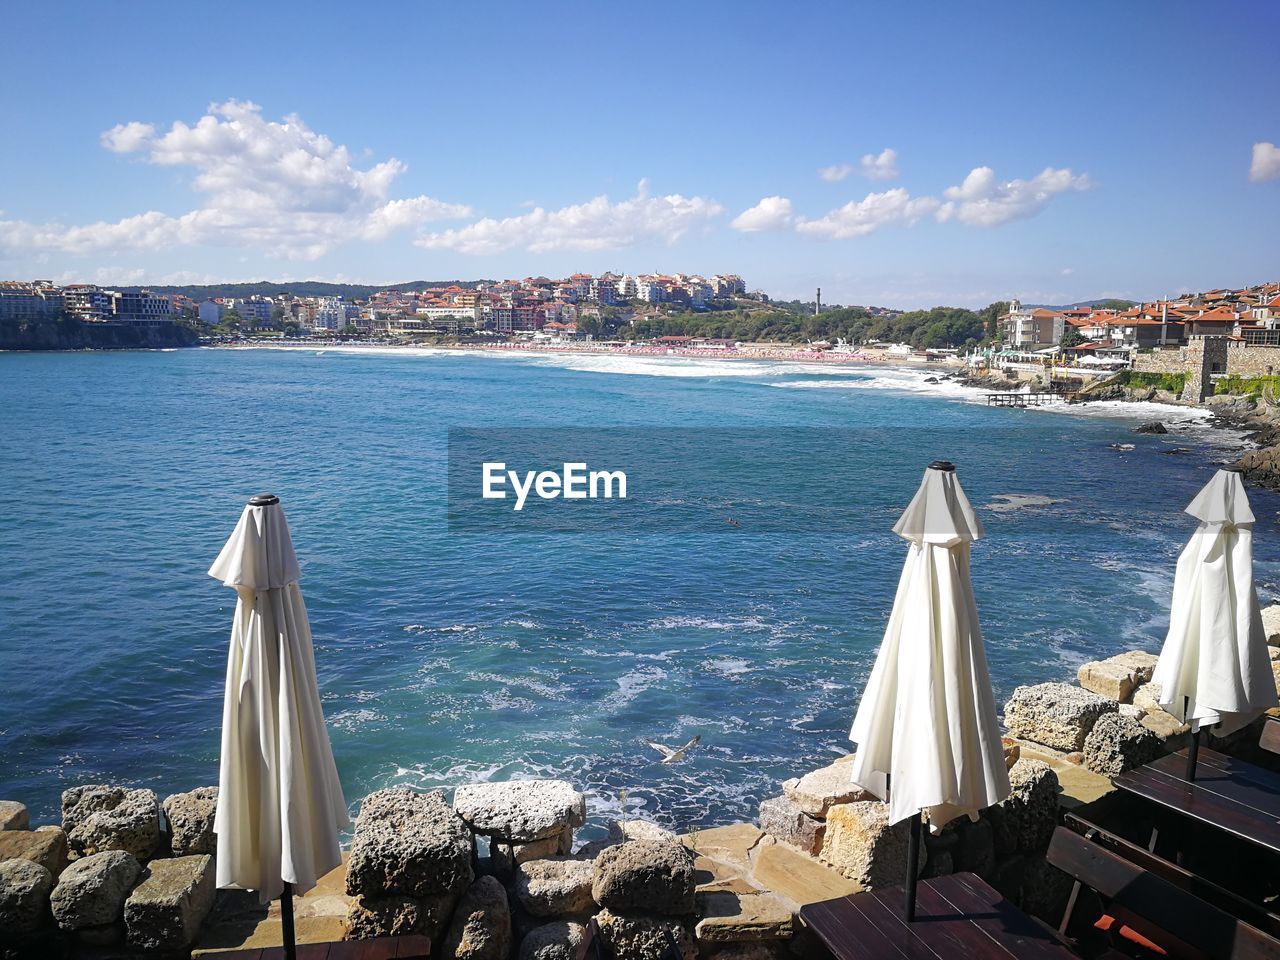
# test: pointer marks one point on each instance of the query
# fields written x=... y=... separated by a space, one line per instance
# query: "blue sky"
x=1047 y=151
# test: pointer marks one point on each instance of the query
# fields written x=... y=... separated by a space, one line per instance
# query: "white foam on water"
x=728 y=666
x=631 y=684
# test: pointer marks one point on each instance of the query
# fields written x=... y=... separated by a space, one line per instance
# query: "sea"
x=449 y=653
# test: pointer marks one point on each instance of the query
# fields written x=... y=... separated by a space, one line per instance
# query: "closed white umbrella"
x=926 y=729
x=280 y=805
x=1214 y=671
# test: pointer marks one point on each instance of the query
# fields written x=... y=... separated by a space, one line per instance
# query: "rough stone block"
x=553 y=941
x=481 y=927
x=645 y=876
x=165 y=911
x=782 y=818
x=862 y=846
x=1117 y=743
x=623 y=830
x=740 y=917
x=45 y=847
x=520 y=811
x=1147 y=698
x=13 y=816
x=1167 y=728
x=98 y=817
x=1057 y=715
x=1117 y=677
x=819 y=790
x=24 y=897
x=408 y=843
x=555 y=888
x=506 y=857
x=643 y=938
x=91 y=892
x=190 y=817
x=1025 y=821
x=1271 y=624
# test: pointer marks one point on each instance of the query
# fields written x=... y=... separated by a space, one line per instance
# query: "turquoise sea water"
x=448 y=656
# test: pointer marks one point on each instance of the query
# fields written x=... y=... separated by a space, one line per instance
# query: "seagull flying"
x=669 y=755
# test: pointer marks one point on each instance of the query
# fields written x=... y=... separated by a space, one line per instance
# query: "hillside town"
x=510 y=307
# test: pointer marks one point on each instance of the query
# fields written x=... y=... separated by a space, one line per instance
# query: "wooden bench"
x=1179 y=876
x=1149 y=907
x=411 y=947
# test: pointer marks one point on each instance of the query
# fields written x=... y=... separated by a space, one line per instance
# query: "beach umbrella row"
x=926 y=728
x=927 y=737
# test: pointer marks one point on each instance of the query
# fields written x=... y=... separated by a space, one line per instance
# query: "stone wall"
x=1202 y=357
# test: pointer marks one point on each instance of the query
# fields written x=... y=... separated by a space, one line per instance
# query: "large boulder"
x=45 y=847
x=782 y=818
x=645 y=876
x=643 y=938
x=553 y=941
x=24 y=897
x=91 y=892
x=1119 y=676
x=1025 y=821
x=481 y=928
x=98 y=817
x=408 y=843
x=165 y=911
x=819 y=790
x=1057 y=715
x=520 y=811
x=555 y=888
x=190 y=817
x=14 y=816
x=862 y=845
x=1117 y=744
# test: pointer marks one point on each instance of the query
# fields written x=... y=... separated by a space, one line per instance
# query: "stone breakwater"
x=494 y=873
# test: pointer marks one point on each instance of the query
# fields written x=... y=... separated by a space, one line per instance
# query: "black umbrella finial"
x=946 y=466
x=264 y=500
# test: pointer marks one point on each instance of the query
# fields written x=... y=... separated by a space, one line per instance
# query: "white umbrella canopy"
x=280 y=805
x=927 y=719
x=1214 y=671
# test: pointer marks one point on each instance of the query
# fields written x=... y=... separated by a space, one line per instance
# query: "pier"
x=1025 y=399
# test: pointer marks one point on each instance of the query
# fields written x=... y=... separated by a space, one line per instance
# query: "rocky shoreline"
x=493 y=872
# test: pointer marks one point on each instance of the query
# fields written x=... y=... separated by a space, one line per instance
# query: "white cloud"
x=771 y=213
x=861 y=217
x=881 y=167
x=835 y=173
x=278 y=188
x=983 y=201
x=598 y=224
x=1266 y=162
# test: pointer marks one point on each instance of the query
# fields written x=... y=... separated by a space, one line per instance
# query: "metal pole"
x=286 y=922
x=913 y=860
x=1192 y=756
x=1193 y=750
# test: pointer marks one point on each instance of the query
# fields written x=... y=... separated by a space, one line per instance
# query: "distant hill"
x=1107 y=302
x=302 y=288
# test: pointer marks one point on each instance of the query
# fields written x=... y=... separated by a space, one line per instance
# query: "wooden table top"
x=956 y=916
x=1228 y=794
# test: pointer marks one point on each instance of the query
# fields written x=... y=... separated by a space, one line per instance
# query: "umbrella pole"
x=1193 y=751
x=286 y=922
x=913 y=859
